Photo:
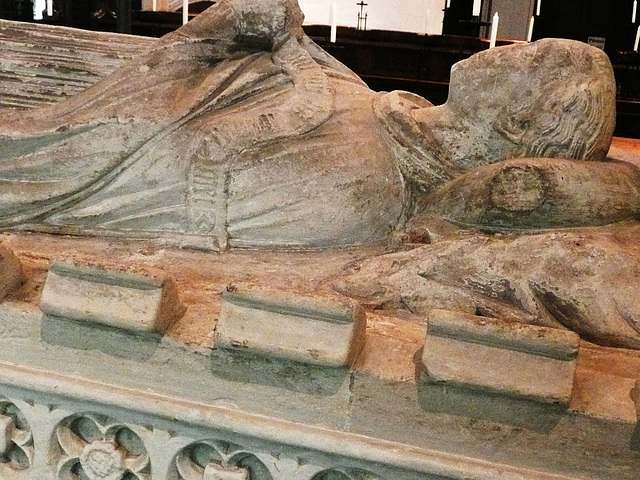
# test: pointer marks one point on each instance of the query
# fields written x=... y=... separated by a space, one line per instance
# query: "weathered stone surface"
x=10 y=272
x=273 y=143
x=237 y=131
x=136 y=302
x=603 y=381
x=7 y=427
x=604 y=389
x=540 y=193
x=635 y=397
x=241 y=158
x=173 y=371
x=540 y=341
x=172 y=428
x=41 y=65
x=311 y=330
x=213 y=471
x=519 y=101
x=583 y=281
x=508 y=358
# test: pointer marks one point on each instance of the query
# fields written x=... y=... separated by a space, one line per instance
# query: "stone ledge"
x=140 y=302
x=480 y=353
x=390 y=460
x=313 y=330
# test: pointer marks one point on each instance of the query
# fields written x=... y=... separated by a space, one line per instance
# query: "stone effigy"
x=582 y=281
x=238 y=131
x=120 y=358
x=217 y=135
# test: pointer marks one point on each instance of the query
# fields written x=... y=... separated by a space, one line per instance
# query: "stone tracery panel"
x=95 y=447
x=16 y=439
x=218 y=460
x=173 y=436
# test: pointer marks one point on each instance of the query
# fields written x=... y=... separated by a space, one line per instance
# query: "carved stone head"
x=554 y=98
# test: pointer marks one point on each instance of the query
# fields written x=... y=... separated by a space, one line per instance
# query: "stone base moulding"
x=480 y=353
x=312 y=330
x=138 y=302
x=156 y=437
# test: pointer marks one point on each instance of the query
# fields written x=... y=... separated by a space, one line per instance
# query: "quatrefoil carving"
x=16 y=440
x=345 y=474
x=94 y=447
x=216 y=460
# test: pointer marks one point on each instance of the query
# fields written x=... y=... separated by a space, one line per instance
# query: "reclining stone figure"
x=238 y=131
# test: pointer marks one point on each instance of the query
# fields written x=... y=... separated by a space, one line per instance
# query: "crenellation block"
x=144 y=302
x=313 y=330
x=514 y=359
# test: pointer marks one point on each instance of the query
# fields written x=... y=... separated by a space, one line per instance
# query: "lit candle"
x=50 y=8
x=38 y=7
x=448 y=4
x=538 y=9
x=494 y=30
x=333 y=13
x=635 y=10
x=635 y=45
x=426 y=23
x=154 y=5
x=185 y=11
x=530 y=34
x=476 y=8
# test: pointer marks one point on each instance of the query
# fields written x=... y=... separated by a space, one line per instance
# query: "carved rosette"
x=16 y=440
x=94 y=447
x=217 y=460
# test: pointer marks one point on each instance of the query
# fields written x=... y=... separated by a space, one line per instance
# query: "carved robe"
x=208 y=140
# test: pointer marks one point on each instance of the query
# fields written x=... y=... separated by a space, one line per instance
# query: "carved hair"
x=576 y=118
x=555 y=98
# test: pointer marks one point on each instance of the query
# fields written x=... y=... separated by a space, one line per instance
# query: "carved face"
x=551 y=98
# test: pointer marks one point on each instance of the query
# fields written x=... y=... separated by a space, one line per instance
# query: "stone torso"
x=299 y=191
x=201 y=148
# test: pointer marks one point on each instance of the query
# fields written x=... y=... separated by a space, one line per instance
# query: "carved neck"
x=423 y=158
x=464 y=141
